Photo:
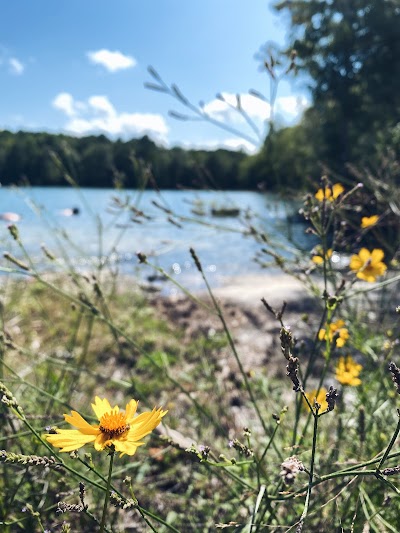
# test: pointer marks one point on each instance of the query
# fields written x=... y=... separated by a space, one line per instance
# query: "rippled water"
x=100 y=232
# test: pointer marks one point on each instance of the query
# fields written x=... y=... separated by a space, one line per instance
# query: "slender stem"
x=311 y=474
x=107 y=497
x=233 y=347
x=390 y=446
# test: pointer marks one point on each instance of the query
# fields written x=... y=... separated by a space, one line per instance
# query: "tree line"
x=52 y=160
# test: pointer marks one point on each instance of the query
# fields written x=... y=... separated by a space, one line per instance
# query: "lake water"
x=102 y=233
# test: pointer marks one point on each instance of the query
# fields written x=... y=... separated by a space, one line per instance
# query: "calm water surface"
x=102 y=233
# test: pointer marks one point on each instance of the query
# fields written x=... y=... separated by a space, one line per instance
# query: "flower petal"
x=130 y=410
x=76 y=420
x=101 y=441
x=69 y=439
x=144 y=424
x=377 y=255
x=364 y=255
x=126 y=447
x=101 y=406
x=337 y=189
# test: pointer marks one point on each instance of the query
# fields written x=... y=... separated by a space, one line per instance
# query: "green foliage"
x=45 y=159
x=351 y=51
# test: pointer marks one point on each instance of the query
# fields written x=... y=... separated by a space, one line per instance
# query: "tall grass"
x=319 y=448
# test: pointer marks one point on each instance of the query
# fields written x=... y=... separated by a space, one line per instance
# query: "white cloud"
x=234 y=143
x=289 y=108
x=98 y=115
x=65 y=102
x=222 y=109
x=112 y=61
x=16 y=67
x=101 y=104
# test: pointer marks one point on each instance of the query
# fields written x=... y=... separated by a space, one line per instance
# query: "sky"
x=80 y=67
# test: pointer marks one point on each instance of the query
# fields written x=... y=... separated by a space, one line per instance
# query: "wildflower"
x=329 y=193
x=347 y=372
x=367 y=222
x=120 y=429
x=319 y=398
x=368 y=265
x=320 y=259
x=336 y=329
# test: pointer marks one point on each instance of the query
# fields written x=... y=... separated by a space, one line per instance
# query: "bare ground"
x=254 y=329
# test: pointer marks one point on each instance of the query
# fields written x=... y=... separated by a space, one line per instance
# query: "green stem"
x=107 y=497
x=311 y=474
x=233 y=348
x=390 y=446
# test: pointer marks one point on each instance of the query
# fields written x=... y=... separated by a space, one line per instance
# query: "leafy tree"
x=351 y=51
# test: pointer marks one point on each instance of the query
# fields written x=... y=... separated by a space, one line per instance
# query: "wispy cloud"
x=98 y=115
x=234 y=143
x=112 y=61
x=16 y=67
x=223 y=108
x=288 y=108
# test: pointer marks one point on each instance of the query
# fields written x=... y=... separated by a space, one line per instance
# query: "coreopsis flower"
x=336 y=330
x=319 y=259
x=347 y=371
x=367 y=222
x=120 y=429
x=319 y=398
x=329 y=193
x=368 y=265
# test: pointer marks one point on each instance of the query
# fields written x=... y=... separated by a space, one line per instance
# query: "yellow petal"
x=366 y=277
x=127 y=447
x=317 y=259
x=356 y=263
x=366 y=222
x=76 y=420
x=144 y=424
x=101 y=406
x=364 y=255
x=377 y=255
x=69 y=439
x=101 y=441
x=130 y=410
x=337 y=189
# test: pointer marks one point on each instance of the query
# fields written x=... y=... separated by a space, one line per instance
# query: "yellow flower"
x=319 y=259
x=329 y=193
x=347 y=371
x=337 y=330
x=367 y=222
x=320 y=397
x=368 y=265
x=121 y=429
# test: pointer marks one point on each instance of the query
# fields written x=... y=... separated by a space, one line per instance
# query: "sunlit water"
x=100 y=233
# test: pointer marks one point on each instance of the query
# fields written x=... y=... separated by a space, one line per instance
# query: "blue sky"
x=79 y=66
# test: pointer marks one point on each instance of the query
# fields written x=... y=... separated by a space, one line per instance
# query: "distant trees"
x=96 y=161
